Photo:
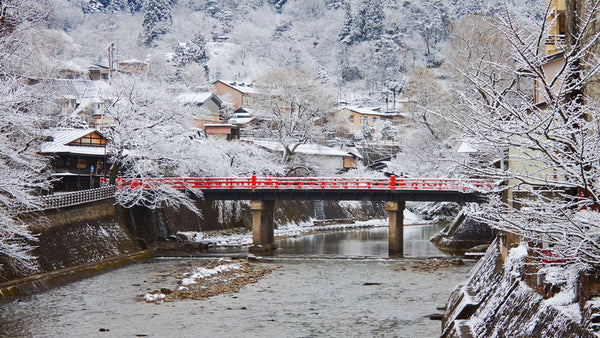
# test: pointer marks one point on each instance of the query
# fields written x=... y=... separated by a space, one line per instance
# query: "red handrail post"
x=393 y=182
x=253 y=181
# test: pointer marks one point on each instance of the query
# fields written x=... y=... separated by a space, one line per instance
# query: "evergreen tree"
x=135 y=5
x=278 y=4
x=92 y=6
x=345 y=35
x=369 y=21
x=192 y=51
x=212 y=7
x=157 y=21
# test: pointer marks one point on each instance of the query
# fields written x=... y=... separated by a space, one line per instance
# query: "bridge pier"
x=262 y=226
x=396 y=228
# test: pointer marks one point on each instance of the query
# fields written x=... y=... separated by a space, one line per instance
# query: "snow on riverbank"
x=227 y=238
x=200 y=273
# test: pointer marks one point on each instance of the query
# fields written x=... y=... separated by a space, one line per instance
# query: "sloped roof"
x=241 y=87
x=194 y=97
x=82 y=90
x=369 y=111
x=61 y=138
x=306 y=149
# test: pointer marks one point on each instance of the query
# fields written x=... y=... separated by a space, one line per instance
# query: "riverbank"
x=300 y=297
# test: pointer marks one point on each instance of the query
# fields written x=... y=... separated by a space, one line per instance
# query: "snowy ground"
x=225 y=238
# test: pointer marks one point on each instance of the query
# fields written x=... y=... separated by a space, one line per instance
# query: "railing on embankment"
x=68 y=199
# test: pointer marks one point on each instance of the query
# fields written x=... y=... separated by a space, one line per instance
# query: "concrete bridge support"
x=262 y=225
x=396 y=228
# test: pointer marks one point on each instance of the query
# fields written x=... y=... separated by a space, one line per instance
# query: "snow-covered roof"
x=227 y=125
x=194 y=97
x=246 y=88
x=132 y=61
x=466 y=147
x=61 y=139
x=369 y=111
x=306 y=149
x=240 y=118
x=82 y=90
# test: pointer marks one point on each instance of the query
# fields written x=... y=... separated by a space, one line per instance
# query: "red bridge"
x=264 y=191
x=321 y=188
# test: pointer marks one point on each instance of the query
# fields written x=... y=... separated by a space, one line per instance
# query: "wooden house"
x=222 y=131
x=240 y=93
x=78 y=157
x=205 y=107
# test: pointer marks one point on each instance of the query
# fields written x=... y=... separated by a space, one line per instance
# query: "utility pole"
x=111 y=49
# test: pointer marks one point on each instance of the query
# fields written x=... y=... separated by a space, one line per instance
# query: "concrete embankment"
x=73 y=243
x=497 y=301
x=78 y=241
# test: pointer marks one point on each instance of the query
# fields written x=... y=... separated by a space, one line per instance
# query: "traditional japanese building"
x=78 y=157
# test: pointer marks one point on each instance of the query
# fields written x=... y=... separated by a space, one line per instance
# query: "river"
x=313 y=294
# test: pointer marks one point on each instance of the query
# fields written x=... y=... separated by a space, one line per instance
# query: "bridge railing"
x=393 y=183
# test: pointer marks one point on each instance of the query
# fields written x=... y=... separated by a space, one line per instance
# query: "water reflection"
x=371 y=242
x=365 y=242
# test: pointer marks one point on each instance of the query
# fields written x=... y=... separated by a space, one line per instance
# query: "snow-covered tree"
x=157 y=21
x=22 y=169
x=193 y=51
x=389 y=131
x=210 y=157
x=369 y=20
x=478 y=49
x=549 y=147
x=92 y=6
x=147 y=140
x=295 y=106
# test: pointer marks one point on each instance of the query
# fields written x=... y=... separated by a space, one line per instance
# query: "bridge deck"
x=321 y=188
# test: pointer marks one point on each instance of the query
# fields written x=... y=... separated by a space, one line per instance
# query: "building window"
x=81 y=163
x=351 y=118
x=364 y=120
x=91 y=139
x=374 y=119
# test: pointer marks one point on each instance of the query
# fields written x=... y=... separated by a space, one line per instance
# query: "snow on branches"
x=297 y=105
x=548 y=144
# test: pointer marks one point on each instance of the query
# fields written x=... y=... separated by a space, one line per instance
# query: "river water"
x=312 y=294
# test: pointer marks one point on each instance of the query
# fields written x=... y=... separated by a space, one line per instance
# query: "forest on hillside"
x=366 y=49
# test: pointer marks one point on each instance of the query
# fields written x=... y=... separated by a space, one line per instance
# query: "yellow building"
x=556 y=37
x=362 y=116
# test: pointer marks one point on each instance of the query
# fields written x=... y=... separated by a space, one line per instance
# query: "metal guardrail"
x=67 y=199
x=324 y=183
